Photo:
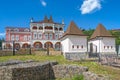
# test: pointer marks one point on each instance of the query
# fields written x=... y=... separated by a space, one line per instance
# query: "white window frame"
x=12 y=37
x=35 y=35
x=17 y=37
x=40 y=36
x=29 y=37
x=25 y=37
x=46 y=36
x=50 y=36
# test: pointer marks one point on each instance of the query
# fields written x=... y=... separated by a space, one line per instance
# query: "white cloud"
x=89 y=6
x=2 y=34
x=43 y=3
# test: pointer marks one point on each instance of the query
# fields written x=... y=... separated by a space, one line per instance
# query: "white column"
x=53 y=28
x=37 y=27
x=58 y=27
x=43 y=28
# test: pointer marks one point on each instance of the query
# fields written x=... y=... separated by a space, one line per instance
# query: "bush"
x=78 y=77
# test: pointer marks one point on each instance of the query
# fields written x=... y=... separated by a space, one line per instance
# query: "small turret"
x=63 y=22
x=51 y=20
x=45 y=19
x=31 y=20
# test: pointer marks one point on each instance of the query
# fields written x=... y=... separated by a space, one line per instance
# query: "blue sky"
x=85 y=13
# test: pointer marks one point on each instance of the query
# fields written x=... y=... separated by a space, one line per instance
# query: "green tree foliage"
x=88 y=32
x=116 y=34
x=78 y=77
x=1 y=40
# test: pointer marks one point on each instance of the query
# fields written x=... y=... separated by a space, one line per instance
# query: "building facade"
x=74 y=43
x=40 y=35
x=101 y=41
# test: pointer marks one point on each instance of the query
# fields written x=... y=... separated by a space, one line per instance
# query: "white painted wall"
x=65 y=44
x=71 y=40
x=102 y=44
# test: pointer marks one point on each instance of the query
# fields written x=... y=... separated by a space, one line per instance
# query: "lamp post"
x=47 y=48
x=30 y=49
x=13 y=48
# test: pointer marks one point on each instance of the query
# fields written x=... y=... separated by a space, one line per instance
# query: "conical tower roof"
x=51 y=20
x=100 y=32
x=73 y=30
x=45 y=19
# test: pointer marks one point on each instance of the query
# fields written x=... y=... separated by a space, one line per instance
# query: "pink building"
x=40 y=35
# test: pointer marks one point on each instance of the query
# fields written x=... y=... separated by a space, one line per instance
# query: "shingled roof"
x=100 y=32
x=73 y=30
x=46 y=20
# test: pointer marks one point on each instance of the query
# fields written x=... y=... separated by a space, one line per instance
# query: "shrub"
x=78 y=77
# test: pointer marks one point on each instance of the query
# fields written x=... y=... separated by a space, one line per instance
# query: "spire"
x=31 y=20
x=101 y=32
x=73 y=30
x=63 y=22
x=51 y=20
x=45 y=19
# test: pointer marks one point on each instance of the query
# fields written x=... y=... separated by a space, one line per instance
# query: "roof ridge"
x=100 y=32
x=73 y=30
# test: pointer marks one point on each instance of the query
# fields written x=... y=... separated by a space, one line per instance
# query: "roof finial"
x=31 y=20
x=51 y=20
x=63 y=21
x=45 y=19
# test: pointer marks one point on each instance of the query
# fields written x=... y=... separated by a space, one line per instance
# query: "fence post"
x=13 y=48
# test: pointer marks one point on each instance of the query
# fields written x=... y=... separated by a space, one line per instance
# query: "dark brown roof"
x=51 y=20
x=73 y=30
x=46 y=20
x=100 y=32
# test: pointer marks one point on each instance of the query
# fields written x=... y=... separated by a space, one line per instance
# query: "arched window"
x=108 y=47
x=73 y=46
x=40 y=28
x=111 y=47
x=34 y=27
x=60 y=29
x=104 y=47
x=16 y=30
x=82 y=46
x=77 y=46
x=48 y=27
x=56 y=28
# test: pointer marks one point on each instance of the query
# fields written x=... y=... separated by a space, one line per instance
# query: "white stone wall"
x=77 y=41
x=104 y=44
x=65 y=44
x=71 y=40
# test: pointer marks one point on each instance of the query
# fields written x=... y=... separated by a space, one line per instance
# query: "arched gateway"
x=57 y=45
x=25 y=45
x=48 y=44
x=37 y=45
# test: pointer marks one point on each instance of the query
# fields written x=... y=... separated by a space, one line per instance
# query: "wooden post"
x=13 y=48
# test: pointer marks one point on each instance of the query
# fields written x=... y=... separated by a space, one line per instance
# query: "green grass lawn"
x=113 y=73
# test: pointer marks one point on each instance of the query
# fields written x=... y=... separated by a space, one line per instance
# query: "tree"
x=1 y=40
x=116 y=34
x=88 y=32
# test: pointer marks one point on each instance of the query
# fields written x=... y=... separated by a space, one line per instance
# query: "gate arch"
x=48 y=44
x=17 y=46
x=57 y=45
x=25 y=45
x=38 y=45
